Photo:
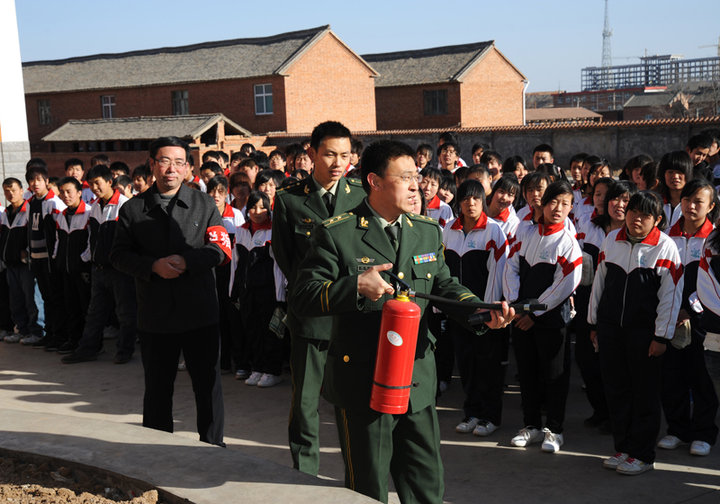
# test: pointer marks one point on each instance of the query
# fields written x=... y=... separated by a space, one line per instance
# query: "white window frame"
x=261 y=91
x=107 y=103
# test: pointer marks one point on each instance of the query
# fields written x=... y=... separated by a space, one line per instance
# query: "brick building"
x=286 y=82
x=467 y=85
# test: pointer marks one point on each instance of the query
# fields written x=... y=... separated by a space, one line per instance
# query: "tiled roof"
x=559 y=113
x=535 y=127
x=141 y=128
x=650 y=100
x=425 y=66
x=226 y=59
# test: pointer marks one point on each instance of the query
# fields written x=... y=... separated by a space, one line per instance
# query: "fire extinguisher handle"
x=526 y=306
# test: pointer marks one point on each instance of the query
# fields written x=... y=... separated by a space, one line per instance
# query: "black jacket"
x=193 y=229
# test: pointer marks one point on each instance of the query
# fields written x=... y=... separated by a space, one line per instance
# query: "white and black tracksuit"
x=688 y=394
x=636 y=296
x=544 y=264
x=477 y=259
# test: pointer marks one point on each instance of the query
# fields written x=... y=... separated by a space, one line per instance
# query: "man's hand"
x=371 y=285
x=682 y=317
x=594 y=340
x=169 y=267
x=524 y=323
x=500 y=319
x=656 y=349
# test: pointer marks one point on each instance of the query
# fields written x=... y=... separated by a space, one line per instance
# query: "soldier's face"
x=397 y=190
x=331 y=159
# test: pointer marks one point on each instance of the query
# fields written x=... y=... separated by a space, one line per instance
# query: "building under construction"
x=652 y=71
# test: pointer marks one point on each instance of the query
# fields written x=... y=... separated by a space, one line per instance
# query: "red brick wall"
x=329 y=82
x=491 y=93
x=403 y=107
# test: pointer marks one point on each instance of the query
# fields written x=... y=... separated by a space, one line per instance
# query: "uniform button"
x=307 y=233
x=429 y=275
x=401 y=275
x=346 y=358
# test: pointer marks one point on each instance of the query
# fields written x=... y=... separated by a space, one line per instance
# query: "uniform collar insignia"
x=363 y=222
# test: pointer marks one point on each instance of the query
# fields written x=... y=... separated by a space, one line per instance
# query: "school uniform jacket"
x=590 y=237
x=478 y=258
x=508 y=221
x=439 y=210
x=13 y=237
x=87 y=195
x=253 y=266
x=708 y=284
x=51 y=207
x=526 y=225
x=543 y=264
x=672 y=214
x=583 y=209
x=637 y=287
x=72 y=251
x=690 y=248
x=103 y=221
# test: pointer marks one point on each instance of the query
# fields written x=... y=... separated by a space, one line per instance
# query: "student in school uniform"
x=475 y=252
x=72 y=256
x=634 y=304
x=610 y=199
x=544 y=264
x=674 y=171
x=436 y=208
x=110 y=290
x=688 y=394
x=254 y=287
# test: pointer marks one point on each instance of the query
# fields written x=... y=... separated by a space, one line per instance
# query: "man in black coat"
x=169 y=239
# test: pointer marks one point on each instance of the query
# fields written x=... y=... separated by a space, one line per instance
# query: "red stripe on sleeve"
x=675 y=271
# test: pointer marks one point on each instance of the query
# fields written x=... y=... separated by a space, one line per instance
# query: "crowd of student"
x=626 y=260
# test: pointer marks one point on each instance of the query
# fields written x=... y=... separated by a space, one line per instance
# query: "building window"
x=44 y=112
x=435 y=102
x=263 y=99
x=108 y=106
x=180 y=103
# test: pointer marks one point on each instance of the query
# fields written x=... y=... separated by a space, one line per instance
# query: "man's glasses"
x=166 y=162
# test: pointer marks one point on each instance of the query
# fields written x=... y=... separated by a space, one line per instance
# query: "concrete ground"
x=105 y=396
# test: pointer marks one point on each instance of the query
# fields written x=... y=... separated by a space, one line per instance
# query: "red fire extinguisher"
x=395 y=356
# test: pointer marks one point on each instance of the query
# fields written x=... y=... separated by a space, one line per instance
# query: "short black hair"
x=34 y=170
x=237 y=156
x=549 y=169
x=141 y=171
x=425 y=149
x=489 y=155
x=432 y=173
x=676 y=161
x=99 y=159
x=100 y=171
x=328 y=129
x=702 y=141
x=533 y=180
x=253 y=198
x=356 y=146
x=578 y=158
x=700 y=183
x=36 y=162
x=479 y=146
x=510 y=163
x=377 y=155
x=447 y=145
x=544 y=148
x=648 y=202
x=478 y=169
x=269 y=174
x=217 y=182
x=471 y=189
x=508 y=183
x=557 y=188
x=70 y=180
x=212 y=166
x=121 y=167
x=73 y=162
x=277 y=152
x=615 y=190
x=225 y=158
x=248 y=145
x=122 y=180
x=262 y=159
x=446 y=137
x=169 y=141
x=10 y=181
x=208 y=155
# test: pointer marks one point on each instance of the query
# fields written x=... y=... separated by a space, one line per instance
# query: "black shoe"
x=76 y=357
x=122 y=358
x=67 y=348
x=42 y=343
x=595 y=420
x=51 y=345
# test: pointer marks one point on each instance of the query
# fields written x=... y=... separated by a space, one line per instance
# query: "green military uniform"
x=374 y=444
x=297 y=210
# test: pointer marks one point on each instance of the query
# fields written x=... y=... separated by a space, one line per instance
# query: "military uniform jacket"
x=297 y=210
x=344 y=247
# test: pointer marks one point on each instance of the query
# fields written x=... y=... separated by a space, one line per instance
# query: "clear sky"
x=548 y=40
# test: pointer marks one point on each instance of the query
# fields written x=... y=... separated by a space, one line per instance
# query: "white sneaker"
x=13 y=338
x=633 y=466
x=254 y=378
x=269 y=380
x=699 y=448
x=4 y=334
x=614 y=461
x=30 y=339
x=552 y=441
x=485 y=429
x=467 y=425
x=527 y=436
x=669 y=442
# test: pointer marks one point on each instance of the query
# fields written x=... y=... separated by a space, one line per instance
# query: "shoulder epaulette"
x=337 y=219
x=421 y=218
x=354 y=182
x=290 y=186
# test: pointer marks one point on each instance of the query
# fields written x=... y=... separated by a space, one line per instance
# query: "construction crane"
x=712 y=45
x=606 y=34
